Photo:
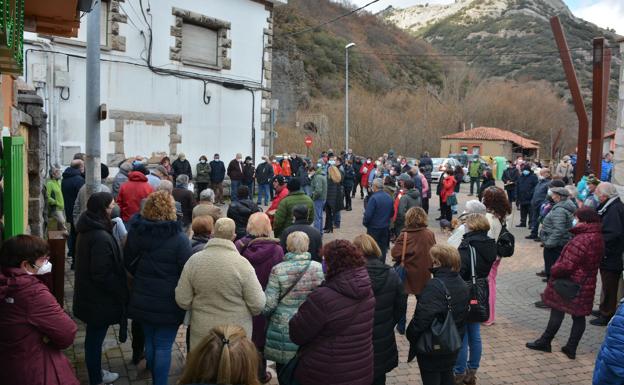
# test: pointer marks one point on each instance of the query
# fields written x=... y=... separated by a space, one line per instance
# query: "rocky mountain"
x=505 y=38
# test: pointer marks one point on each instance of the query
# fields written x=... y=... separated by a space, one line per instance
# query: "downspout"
x=253 y=125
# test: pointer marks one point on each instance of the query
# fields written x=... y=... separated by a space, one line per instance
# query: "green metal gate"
x=13 y=170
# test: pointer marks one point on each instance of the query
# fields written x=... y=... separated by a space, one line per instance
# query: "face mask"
x=574 y=222
x=368 y=162
x=377 y=163
x=43 y=269
x=203 y=161
x=216 y=159
x=332 y=162
x=319 y=165
x=183 y=158
x=525 y=172
x=550 y=193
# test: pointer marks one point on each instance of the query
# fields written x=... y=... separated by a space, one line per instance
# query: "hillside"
x=505 y=38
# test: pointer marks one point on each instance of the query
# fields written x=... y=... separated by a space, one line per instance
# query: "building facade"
x=489 y=141
x=177 y=76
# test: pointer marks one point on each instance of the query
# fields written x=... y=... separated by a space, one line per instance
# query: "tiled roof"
x=492 y=133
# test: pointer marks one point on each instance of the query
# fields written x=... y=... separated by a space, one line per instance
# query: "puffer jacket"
x=485 y=248
x=132 y=193
x=240 y=211
x=556 y=225
x=34 y=329
x=407 y=201
x=70 y=186
x=284 y=217
x=180 y=167
x=319 y=186
x=121 y=177
x=162 y=249
x=349 y=177
x=390 y=306
x=579 y=262
x=609 y=369
x=279 y=347
x=612 y=213
x=334 y=328
x=525 y=187
x=335 y=195
x=203 y=173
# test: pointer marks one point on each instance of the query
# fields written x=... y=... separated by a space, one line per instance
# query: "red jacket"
x=579 y=262
x=132 y=193
x=276 y=201
x=34 y=330
x=364 y=171
x=448 y=187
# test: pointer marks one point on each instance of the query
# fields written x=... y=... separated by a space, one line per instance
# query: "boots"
x=471 y=377
x=459 y=379
x=540 y=344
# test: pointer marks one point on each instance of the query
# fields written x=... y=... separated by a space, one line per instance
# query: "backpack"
x=505 y=243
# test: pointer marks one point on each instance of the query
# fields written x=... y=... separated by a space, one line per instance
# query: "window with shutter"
x=200 y=45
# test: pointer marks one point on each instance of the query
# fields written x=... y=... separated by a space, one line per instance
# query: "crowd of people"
x=255 y=283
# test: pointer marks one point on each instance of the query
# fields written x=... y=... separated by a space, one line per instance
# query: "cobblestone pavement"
x=505 y=359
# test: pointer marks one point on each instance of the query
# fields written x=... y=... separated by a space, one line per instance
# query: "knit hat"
x=556 y=183
x=561 y=191
x=293 y=185
x=404 y=177
x=140 y=167
x=224 y=228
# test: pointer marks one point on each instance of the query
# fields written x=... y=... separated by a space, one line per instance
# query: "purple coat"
x=334 y=328
x=263 y=254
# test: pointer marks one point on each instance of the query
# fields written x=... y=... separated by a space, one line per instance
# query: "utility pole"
x=92 y=108
x=347 y=95
x=618 y=159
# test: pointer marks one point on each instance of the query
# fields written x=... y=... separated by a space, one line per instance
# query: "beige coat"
x=220 y=287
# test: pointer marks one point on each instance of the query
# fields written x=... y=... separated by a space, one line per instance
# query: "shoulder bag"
x=281 y=297
x=479 y=291
x=442 y=337
x=506 y=242
x=451 y=200
x=399 y=268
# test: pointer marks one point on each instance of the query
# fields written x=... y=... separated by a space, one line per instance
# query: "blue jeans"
x=234 y=190
x=337 y=219
x=472 y=339
x=319 y=205
x=382 y=237
x=250 y=186
x=263 y=193
x=307 y=189
x=158 y=342
x=94 y=338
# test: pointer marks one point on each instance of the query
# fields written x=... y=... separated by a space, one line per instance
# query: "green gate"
x=13 y=170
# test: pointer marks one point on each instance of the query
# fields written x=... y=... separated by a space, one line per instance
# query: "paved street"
x=505 y=359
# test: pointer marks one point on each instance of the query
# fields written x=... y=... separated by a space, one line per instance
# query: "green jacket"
x=319 y=186
x=284 y=214
x=55 y=196
x=203 y=173
x=475 y=169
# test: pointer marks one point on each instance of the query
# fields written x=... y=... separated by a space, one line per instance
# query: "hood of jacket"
x=583 y=228
x=258 y=250
x=290 y=256
x=137 y=176
x=566 y=205
x=14 y=279
x=156 y=229
x=71 y=172
x=480 y=239
x=87 y=223
x=378 y=273
x=352 y=283
x=413 y=193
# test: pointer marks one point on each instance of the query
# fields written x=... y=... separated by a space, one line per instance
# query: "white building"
x=214 y=97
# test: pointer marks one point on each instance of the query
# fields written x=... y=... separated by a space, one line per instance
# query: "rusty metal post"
x=577 y=99
x=605 y=91
x=56 y=241
x=598 y=105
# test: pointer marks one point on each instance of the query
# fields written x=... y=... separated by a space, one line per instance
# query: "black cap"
x=556 y=183
x=293 y=185
x=280 y=180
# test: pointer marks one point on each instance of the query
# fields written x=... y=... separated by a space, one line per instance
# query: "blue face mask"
x=525 y=172
x=574 y=222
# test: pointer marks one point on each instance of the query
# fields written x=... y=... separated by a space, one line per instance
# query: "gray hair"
x=165 y=185
x=378 y=183
x=607 y=189
x=572 y=190
x=182 y=179
x=207 y=195
x=297 y=242
x=475 y=207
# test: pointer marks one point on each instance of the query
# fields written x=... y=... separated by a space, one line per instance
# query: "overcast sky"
x=604 y=13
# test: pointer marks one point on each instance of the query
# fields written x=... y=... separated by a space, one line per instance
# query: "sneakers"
x=109 y=377
x=540 y=345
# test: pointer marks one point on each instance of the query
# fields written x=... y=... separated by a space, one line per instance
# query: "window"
x=200 y=45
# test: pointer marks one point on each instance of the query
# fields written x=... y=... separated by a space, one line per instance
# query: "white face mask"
x=43 y=269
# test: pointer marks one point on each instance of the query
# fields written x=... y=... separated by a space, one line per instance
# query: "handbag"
x=451 y=200
x=479 y=291
x=399 y=268
x=286 y=376
x=442 y=337
x=506 y=242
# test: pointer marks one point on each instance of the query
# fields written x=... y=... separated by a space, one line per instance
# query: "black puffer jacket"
x=431 y=304
x=162 y=249
x=335 y=195
x=390 y=305
x=240 y=211
x=100 y=288
x=485 y=248
x=612 y=213
x=349 y=177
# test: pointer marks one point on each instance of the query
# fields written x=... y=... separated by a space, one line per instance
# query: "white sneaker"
x=109 y=377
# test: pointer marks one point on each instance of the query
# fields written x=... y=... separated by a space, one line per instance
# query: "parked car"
x=441 y=164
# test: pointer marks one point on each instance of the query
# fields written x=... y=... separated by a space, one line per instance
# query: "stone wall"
x=267 y=74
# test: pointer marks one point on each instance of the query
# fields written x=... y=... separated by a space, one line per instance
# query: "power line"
x=331 y=20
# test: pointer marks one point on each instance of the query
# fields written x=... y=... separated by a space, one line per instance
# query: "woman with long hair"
x=498 y=208
x=488 y=181
x=100 y=287
x=334 y=202
x=155 y=253
x=224 y=356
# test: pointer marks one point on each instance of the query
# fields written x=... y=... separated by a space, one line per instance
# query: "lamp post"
x=347 y=95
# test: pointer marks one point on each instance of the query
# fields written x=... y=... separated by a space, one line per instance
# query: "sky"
x=604 y=13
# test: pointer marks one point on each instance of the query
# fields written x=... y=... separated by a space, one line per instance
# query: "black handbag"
x=566 y=288
x=286 y=376
x=442 y=337
x=479 y=290
x=506 y=242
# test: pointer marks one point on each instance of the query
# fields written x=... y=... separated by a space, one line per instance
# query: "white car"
x=440 y=165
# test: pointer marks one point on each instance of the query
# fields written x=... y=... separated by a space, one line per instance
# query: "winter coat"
x=187 y=201
x=315 y=237
x=220 y=287
x=121 y=178
x=198 y=242
x=100 y=285
x=609 y=369
x=365 y=171
x=510 y=178
x=70 y=185
x=240 y=211
x=302 y=175
x=485 y=248
x=263 y=254
x=277 y=169
x=284 y=214
x=80 y=204
x=427 y=165
x=564 y=171
x=379 y=211
x=448 y=188
x=612 y=213
x=540 y=193
x=459 y=177
x=279 y=347
x=319 y=186
x=295 y=164
x=54 y=195
x=487 y=183
x=557 y=223
x=349 y=177
x=334 y=328
x=132 y=193
x=475 y=169
x=407 y=201
x=335 y=195
x=525 y=187
x=235 y=170
x=203 y=172
x=578 y=262
x=286 y=168
x=249 y=172
x=390 y=307
x=431 y=304
x=34 y=330
x=417 y=261
x=180 y=167
x=217 y=171
x=207 y=208
x=605 y=170
x=163 y=249
x=279 y=195
x=264 y=173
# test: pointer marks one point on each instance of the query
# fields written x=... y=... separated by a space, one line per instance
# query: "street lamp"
x=347 y=95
